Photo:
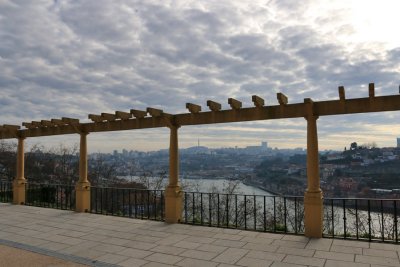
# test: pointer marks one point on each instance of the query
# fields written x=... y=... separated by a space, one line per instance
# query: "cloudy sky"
x=71 y=58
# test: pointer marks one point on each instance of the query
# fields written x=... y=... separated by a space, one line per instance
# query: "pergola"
x=137 y=119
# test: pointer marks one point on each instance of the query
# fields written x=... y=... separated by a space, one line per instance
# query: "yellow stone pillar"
x=82 y=187
x=173 y=193
x=313 y=198
x=19 y=183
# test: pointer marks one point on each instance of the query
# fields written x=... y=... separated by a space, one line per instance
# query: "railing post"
x=82 y=187
x=173 y=192
x=19 y=183
x=313 y=198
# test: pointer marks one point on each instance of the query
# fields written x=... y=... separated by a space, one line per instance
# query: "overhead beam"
x=155 y=112
x=193 y=108
x=108 y=116
x=258 y=101
x=213 y=106
x=342 y=94
x=123 y=115
x=138 y=114
x=95 y=118
x=282 y=99
x=297 y=110
x=235 y=104
x=371 y=90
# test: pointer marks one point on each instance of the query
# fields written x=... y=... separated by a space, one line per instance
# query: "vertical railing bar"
x=186 y=211
x=369 y=220
x=148 y=204
x=245 y=212
x=344 y=218
x=236 y=211
x=217 y=209
x=201 y=208
x=274 y=214
x=136 y=206
x=193 y=209
x=285 y=213
x=265 y=215
x=333 y=219
x=383 y=223
x=255 y=212
x=395 y=220
x=209 y=209
x=295 y=215
x=155 y=204
x=227 y=210
x=357 y=230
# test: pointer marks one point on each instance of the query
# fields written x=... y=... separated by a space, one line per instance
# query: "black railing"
x=6 y=192
x=128 y=202
x=362 y=219
x=248 y=212
x=50 y=196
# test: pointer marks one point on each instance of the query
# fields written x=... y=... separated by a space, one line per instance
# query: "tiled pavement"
x=100 y=240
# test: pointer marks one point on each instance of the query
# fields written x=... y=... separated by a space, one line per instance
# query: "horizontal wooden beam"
x=297 y=110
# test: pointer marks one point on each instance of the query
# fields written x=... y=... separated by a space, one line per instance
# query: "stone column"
x=19 y=183
x=313 y=198
x=173 y=193
x=82 y=187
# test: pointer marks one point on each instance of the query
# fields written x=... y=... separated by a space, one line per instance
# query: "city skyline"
x=55 y=62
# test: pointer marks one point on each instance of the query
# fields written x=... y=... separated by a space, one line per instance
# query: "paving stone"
x=229 y=243
x=380 y=253
x=297 y=238
x=109 y=248
x=196 y=254
x=304 y=260
x=228 y=237
x=89 y=254
x=135 y=253
x=168 y=250
x=377 y=260
x=198 y=239
x=112 y=258
x=261 y=247
x=186 y=244
x=334 y=255
x=196 y=263
x=284 y=264
x=252 y=262
x=289 y=244
x=350 y=243
x=212 y=248
x=157 y=264
x=384 y=246
x=163 y=258
x=319 y=244
x=350 y=250
x=337 y=263
x=140 y=245
x=257 y=240
x=132 y=262
x=231 y=255
x=297 y=251
x=265 y=255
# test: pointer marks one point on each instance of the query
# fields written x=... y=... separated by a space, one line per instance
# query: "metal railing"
x=50 y=196
x=248 y=212
x=362 y=219
x=6 y=192
x=128 y=202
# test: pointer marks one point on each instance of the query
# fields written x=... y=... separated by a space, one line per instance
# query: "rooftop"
x=99 y=240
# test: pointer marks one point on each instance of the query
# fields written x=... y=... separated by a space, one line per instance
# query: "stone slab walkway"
x=98 y=240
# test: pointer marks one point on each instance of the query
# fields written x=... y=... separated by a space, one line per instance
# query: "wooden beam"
x=213 y=106
x=371 y=89
x=235 y=104
x=342 y=94
x=70 y=121
x=58 y=122
x=193 y=108
x=46 y=123
x=108 y=116
x=11 y=127
x=28 y=125
x=36 y=123
x=282 y=99
x=155 y=112
x=258 y=101
x=139 y=114
x=123 y=115
x=95 y=118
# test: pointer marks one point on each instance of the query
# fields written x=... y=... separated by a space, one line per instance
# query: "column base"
x=173 y=204
x=82 y=190
x=313 y=214
x=19 y=186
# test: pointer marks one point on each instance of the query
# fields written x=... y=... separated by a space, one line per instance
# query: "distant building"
x=398 y=142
